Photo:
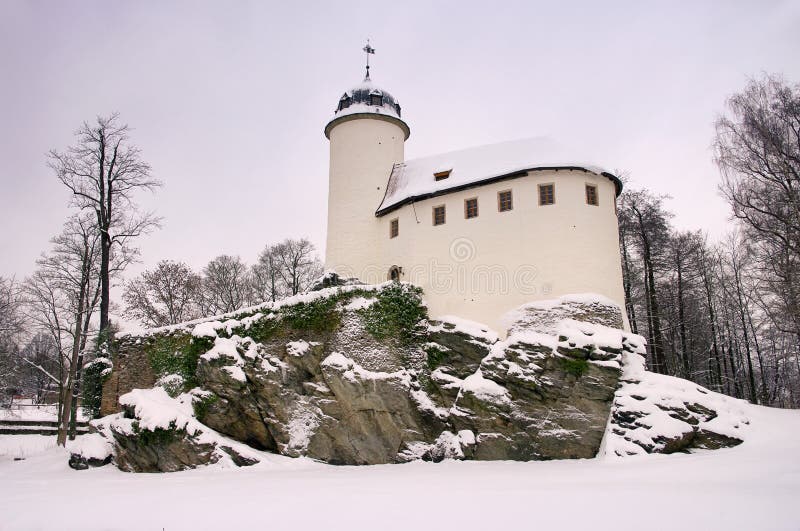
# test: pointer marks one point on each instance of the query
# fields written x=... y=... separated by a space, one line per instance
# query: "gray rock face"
x=458 y=392
x=358 y=376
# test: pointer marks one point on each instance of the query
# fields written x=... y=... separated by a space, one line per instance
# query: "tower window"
x=591 y=194
x=344 y=102
x=547 y=194
x=471 y=208
x=441 y=175
x=439 y=215
x=505 y=201
x=376 y=99
x=394 y=228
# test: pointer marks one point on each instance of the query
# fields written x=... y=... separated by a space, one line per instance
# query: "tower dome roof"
x=367 y=100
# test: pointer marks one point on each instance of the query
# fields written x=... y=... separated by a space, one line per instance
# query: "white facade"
x=479 y=268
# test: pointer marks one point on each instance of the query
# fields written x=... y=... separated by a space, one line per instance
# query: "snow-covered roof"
x=414 y=179
x=359 y=101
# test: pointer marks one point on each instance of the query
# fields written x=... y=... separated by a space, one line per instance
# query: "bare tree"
x=226 y=285
x=166 y=295
x=39 y=368
x=757 y=149
x=103 y=170
x=11 y=329
x=267 y=282
x=642 y=215
x=63 y=295
x=298 y=264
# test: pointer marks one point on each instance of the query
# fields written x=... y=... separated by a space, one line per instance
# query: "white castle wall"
x=483 y=267
x=479 y=268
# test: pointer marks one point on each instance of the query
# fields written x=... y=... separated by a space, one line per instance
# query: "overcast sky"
x=228 y=100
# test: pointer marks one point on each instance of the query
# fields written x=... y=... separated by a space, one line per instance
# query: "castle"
x=481 y=230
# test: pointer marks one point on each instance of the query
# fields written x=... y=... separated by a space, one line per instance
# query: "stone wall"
x=132 y=370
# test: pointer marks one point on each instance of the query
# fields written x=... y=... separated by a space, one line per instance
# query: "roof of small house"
x=357 y=102
x=413 y=180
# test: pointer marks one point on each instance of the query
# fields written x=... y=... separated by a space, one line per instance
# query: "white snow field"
x=755 y=486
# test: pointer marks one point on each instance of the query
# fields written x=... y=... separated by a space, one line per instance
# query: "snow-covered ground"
x=753 y=486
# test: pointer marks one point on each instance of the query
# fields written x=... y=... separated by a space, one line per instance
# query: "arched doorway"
x=394 y=273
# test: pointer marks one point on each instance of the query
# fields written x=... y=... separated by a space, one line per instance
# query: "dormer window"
x=344 y=102
x=376 y=98
x=441 y=175
x=397 y=108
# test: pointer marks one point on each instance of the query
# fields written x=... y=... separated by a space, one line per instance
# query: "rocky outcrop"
x=158 y=433
x=357 y=375
x=455 y=391
x=654 y=413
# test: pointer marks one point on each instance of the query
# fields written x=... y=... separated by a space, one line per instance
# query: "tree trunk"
x=682 y=323
x=626 y=268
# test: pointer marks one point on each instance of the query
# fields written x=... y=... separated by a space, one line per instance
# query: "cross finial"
x=368 y=50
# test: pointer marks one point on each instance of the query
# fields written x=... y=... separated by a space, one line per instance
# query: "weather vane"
x=369 y=50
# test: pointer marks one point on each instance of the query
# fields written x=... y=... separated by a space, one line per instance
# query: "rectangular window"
x=504 y=201
x=591 y=194
x=471 y=208
x=441 y=175
x=547 y=194
x=438 y=215
x=394 y=228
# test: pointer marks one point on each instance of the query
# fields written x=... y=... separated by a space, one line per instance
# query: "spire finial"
x=368 y=50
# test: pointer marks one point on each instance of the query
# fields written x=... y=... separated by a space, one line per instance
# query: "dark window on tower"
x=394 y=228
x=591 y=194
x=376 y=99
x=344 y=103
x=471 y=208
x=547 y=194
x=438 y=215
x=505 y=201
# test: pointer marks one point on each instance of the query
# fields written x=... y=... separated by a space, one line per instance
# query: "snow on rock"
x=91 y=450
x=544 y=316
x=451 y=323
x=654 y=413
x=171 y=383
x=158 y=433
x=303 y=422
x=485 y=389
x=297 y=348
x=206 y=329
x=353 y=371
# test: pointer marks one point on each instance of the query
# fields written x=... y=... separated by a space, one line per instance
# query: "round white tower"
x=366 y=137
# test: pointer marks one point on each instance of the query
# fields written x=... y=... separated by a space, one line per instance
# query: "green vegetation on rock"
x=396 y=313
x=95 y=373
x=319 y=315
x=575 y=367
x=158 y=436
x=177 y=353
x=201 y=405
x=436 y=356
